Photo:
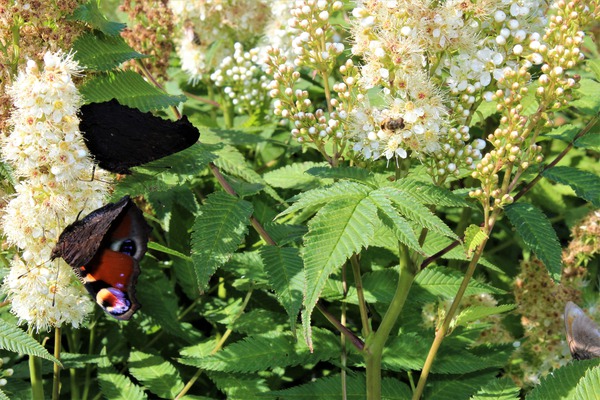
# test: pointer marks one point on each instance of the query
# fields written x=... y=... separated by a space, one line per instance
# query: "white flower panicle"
x=242 y=79
x=51 y=162
x=205 y=22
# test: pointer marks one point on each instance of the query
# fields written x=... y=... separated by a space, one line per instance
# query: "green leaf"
x=102 y=52
x=233 y=162
x=156 y=374
x=590 y=140
x=3 y=396
x=588 y=387
x=427 y=193
x=585 y=184
x=457 y=387
x=286 y=276
x=475 y=313
x=166 y=250
x=537 y=234
x=393 y=220
x=329 y=388
x=340 y=229
x=415 y=211
x=433 y=282
x=238 y=386
x=15 y=340
x=589 y=103
x=474 y=237
x=294 y=176
x=342 y=190
x=268 y=351
x=563 y=382
x=498 y=389
x=130 y=89
x=91 y=14
x=346 y=173
x=115 y=385
x=218 y=231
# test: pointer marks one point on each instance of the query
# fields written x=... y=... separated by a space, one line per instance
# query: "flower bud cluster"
x=514 y=141
x=242 y=79
x=51 y=162
x=315 y=44
x=205 y=22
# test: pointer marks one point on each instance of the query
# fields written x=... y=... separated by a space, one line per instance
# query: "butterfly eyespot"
x=125 y=246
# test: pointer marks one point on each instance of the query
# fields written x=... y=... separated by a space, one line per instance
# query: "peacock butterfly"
x=583 y=335
x=120 y=137
x=105 y=249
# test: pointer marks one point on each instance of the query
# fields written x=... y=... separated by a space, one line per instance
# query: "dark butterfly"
x=120 y=137
x=583 y=335
x=105 y=249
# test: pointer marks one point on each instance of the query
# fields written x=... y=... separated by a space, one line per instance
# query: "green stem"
x=441 y=333
x=362 y=304
x=35 y=375
x=88 y=368
x=73 y=343
x=57 y=367
x=375 y=343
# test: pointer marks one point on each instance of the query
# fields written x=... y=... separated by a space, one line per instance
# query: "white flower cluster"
x=50 y=160
x=242 y=79
x=204 y=23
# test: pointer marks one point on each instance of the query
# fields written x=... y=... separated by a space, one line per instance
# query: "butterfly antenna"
x=55 y=285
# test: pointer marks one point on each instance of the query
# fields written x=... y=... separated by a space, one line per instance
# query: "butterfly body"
x=120 y=137
x=105 y=248
x=583 y=335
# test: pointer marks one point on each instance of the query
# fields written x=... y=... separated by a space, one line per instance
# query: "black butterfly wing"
x=80 y=241
x=120 y=137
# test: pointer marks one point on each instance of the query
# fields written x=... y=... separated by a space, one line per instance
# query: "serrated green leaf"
x=340 y=229
x=393 y=220
x=474 y=313
x=283 y=234
x=346 y=173
x=537 y=234
x=427 y=193
x=341 y=190
x=445 y=282
x=91 y=14
x=129 y=89
x=590 y=140
x=456 y=387
x=294 y=176
x=103 y=52
x=160 y=303
x=217 y=232
x=265 y=352
x=588 y=387
x=412 y=209
x=14 y=339
x=238 y=386
x=589 y=103
x=233 y=162
x=284 y=268
x=156 y=374
x=189 y=161
x=585 y=184
x=115 y=385
x=562 y=383
x=474 y=237
x=329 y=388
x=498 y=389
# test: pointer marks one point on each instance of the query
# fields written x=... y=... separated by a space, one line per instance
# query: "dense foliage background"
x=396 y=200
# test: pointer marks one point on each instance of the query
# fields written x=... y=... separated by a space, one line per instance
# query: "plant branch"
x=362 y=304
x=359 y=344
x=56 y=367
